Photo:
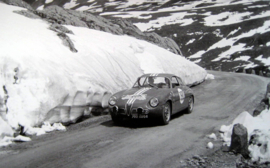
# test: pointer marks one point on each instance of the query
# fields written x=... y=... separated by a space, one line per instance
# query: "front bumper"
x=143 y=111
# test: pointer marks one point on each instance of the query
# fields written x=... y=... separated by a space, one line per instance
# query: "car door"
x=185 y=89
x=176 y=96
x=179 y=94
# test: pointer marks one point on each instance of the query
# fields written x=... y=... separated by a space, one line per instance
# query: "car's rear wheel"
x=117 y=119
x=190 y=104
x=166 y=114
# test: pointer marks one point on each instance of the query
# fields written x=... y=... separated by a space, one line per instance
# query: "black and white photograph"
x=134 y=83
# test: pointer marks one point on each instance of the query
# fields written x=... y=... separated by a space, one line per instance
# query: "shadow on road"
x=139 y=123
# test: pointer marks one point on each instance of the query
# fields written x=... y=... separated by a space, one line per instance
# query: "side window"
x=141 y=81
x=174 y=82
x=180 y=81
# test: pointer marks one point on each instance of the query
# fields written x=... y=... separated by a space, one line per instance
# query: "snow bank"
x=209 y=76
x=46 y=82
x=258 y=129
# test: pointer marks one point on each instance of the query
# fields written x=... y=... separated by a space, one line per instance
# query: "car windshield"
x=151 y=81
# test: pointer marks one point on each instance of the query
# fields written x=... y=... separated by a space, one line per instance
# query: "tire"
x=166 y=114
x=190 y=105
x=117 y=119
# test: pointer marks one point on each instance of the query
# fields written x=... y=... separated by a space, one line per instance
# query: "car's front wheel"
x=166 y=114
x=190 y=104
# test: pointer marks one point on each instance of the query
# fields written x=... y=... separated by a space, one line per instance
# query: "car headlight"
x=154 y=102
x=112 y=101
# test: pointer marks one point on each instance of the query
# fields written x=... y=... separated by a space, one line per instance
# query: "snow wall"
x=43 y=81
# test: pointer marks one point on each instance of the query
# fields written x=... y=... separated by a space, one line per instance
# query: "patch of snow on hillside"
x=242 y=58
x=197 y=54
x=234 y=31
x=46 y=82
x=91 y=7
x=217 y=33
x=250 y=65
x=234 y=48
x=71 y=4
x=40 y=8
x=130 y=3
x=266 y=61
x=175 y=18
x=225 y=18
x=112 y=3
x=178 y=6
x=268 y=44
x=239 y=47
x=258 y=6
x=48 y=1
x=144 y=16
x=190 y=41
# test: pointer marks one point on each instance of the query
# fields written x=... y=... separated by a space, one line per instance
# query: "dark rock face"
x=267 y=94
x=264 y=103
x=130 y=29
x=67 y=42
x=239 y=142
x=18 y=3
x=259 y=108
x=58 y=16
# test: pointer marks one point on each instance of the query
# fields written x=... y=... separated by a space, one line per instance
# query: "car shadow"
x=132 y=123
x=139 y=123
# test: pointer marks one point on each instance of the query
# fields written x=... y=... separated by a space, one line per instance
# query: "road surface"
x=97 y=142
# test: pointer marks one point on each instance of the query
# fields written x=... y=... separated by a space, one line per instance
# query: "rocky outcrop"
x=265 y=103
x=18 y=3
x=60 y=16
x=67 y=42
x=259 y=108
x=239 y=140
x=130 y=29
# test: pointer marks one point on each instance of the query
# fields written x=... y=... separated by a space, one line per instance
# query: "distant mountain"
x=231 y=35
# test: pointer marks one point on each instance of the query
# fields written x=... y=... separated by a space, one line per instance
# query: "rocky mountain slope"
x=59 y=16
x=227 y=35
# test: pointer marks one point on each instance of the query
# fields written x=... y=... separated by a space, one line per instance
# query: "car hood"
x=139 y=95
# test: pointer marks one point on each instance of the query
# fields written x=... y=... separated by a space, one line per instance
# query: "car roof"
x=159 y=75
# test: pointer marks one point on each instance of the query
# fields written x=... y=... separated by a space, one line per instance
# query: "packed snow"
x=257 y=127
x=44 y=82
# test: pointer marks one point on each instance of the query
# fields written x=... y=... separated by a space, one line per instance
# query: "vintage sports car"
x=152 y=96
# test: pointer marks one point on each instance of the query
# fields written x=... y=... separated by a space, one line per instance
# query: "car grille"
x=121 y=111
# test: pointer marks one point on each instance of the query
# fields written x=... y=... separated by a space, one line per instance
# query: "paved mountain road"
x=97 y=142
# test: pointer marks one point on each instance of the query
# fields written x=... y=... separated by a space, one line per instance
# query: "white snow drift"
x=43 y=81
